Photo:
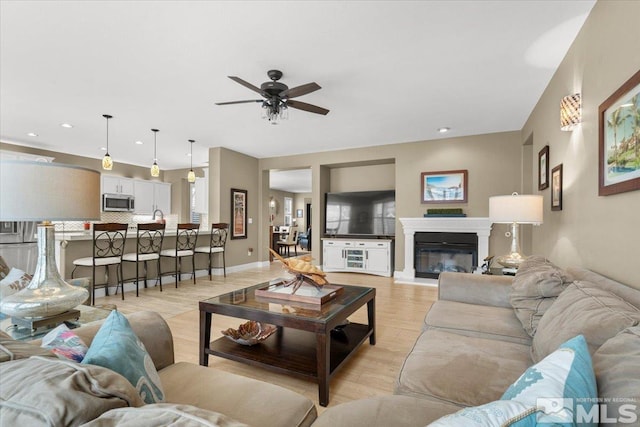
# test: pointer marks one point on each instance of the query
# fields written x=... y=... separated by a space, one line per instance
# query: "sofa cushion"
x=14 y=282
x=56 y=392
x=535 y=287
x=243 y=399
x=459 y=369
x=617 y=368
x=11 y=349
x=384 y=411
x=583 y=309
x=545 y=394
x=117 y=347
x=163 y=414
x=476 y=320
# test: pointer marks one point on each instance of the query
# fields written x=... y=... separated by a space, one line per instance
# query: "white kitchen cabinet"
x=372 y=256
x=117 y=185
x=201 y=204
x=151 y=195
x=162 y=197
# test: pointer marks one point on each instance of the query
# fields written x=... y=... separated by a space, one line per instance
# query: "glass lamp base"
x=47 y=294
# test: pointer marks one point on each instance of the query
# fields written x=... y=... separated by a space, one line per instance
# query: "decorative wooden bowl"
x=250 y=333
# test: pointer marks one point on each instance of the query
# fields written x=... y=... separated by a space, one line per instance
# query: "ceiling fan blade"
x=239 y=102
x=246 y=84
x=307 y=107
x=300 y=90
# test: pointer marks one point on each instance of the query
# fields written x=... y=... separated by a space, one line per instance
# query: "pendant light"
x=107 y=163
x=191 y=176
x=155 y=169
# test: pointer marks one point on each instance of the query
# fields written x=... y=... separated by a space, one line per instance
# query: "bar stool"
x=148 y=246
x=186 y=238
x=217 y=242
x=108 y=248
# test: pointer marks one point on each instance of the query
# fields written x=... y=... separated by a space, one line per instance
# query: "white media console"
x=372 y=256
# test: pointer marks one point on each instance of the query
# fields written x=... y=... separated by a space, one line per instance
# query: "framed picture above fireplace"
x=444 y=187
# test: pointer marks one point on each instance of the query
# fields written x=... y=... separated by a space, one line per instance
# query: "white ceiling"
x=390 y=71
x=292 y=181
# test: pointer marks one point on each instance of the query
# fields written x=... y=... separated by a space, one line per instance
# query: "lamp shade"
x=40 y=191
x=570 y=112
x=521 y=209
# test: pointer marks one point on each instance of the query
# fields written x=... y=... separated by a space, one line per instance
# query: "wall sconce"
x=570 y=112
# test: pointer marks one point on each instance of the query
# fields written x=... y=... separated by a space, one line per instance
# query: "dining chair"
x=148 y=246
x=108 y=247
x=217 y=243
x=186 y=237
x=291 y=240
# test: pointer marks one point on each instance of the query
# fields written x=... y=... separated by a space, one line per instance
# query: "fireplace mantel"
x=410 y=226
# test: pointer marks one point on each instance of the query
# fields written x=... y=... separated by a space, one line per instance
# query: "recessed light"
x=66 y=125
x=188 y=154
x=444 y=130
x=103 y=148
x=139 y=142
x=32 y=134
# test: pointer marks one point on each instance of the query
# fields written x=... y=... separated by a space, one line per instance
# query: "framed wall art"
x=238 y=214
x=556 y=188
x=619 y=140
x=444 y=187
x=543 y=168
x=298 y=213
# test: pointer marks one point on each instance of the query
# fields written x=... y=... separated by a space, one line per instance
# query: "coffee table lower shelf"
x=293 y=351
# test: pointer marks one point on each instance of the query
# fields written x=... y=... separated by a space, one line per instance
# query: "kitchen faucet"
x=161 y=215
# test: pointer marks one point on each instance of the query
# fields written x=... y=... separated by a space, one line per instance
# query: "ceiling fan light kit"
x=277 y=97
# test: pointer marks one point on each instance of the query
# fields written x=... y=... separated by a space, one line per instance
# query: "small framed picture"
x=298 y=213
x=238 y=214
x=444 y=187
x=543 y=168
x=556 y=188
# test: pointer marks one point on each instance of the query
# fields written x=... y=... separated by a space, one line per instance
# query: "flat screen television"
x=360 y=213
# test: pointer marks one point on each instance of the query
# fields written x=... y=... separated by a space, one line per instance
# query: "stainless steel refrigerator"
x=18 y=244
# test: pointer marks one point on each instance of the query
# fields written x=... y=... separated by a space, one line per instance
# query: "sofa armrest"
x=475 y=288
x=152 y=330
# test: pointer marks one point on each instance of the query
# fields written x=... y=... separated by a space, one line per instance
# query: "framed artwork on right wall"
x=543 y=168
x=556 y=188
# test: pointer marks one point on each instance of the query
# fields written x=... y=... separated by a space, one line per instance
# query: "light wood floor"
x=400 y=310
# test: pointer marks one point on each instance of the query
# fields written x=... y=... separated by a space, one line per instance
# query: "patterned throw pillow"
x=117 y=347
x=560 y=390
x=64 y=343
x=15 y=281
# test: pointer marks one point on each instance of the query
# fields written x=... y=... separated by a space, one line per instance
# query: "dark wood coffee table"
x=306 y=345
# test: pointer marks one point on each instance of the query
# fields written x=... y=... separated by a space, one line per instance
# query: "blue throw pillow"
x=117 y=347
x=560 y=390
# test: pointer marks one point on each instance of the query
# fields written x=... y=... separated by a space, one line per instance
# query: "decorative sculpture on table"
x=303 y=270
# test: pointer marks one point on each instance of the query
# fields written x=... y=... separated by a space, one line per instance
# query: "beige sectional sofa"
x=474 y=344
x=240 y=400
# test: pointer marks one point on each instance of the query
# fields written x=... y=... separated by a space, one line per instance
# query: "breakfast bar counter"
x=71 y=245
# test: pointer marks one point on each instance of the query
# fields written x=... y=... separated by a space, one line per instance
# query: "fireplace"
x=480 y=227
x=438 y=252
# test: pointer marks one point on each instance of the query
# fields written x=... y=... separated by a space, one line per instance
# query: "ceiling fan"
x=277 y=97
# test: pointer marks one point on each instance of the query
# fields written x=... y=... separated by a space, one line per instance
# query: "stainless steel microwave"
x=118 y=203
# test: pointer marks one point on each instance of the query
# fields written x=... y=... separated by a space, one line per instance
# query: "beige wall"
x=279 y=196
x=493 y=162
x=599 y=233
x=119 y=169
x=230 y=169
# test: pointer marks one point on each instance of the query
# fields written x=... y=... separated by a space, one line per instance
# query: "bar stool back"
x=148 y=246
x=186 y=238
x=108 y=248
x=219 y=232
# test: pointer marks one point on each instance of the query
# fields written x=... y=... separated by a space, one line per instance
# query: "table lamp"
x=40 y=191
x=515 y=210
